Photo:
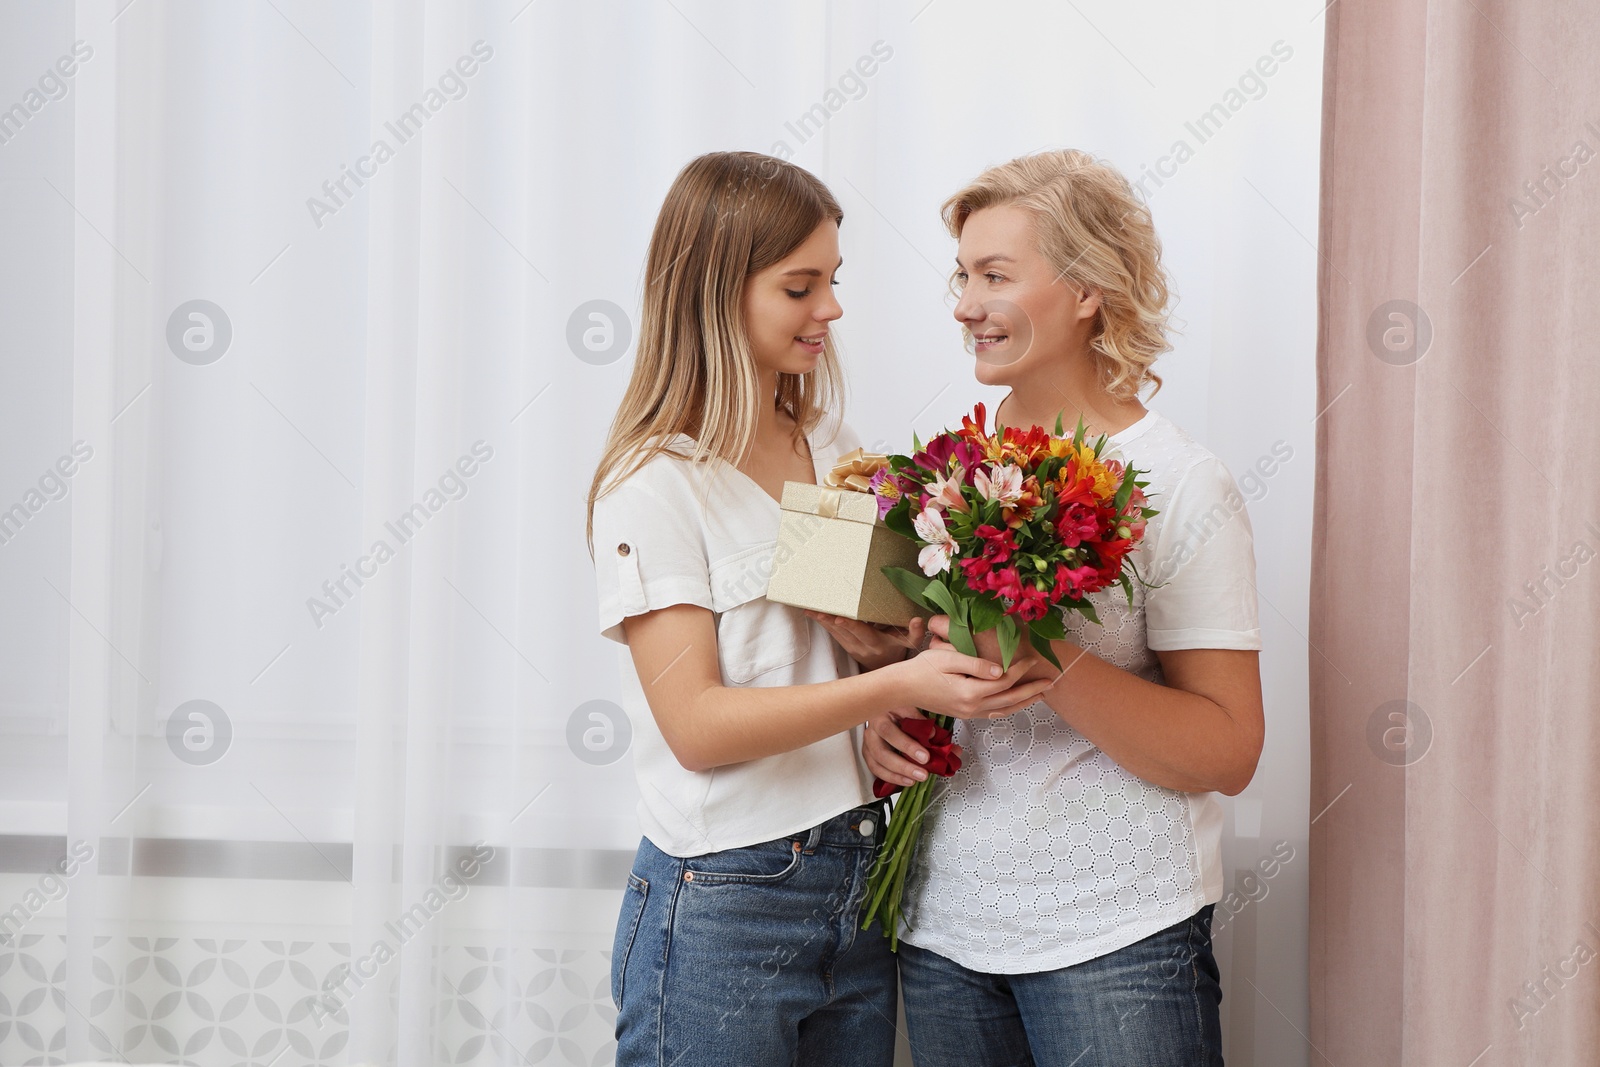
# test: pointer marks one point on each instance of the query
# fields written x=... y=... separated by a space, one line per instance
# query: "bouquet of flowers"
x=1016 y=528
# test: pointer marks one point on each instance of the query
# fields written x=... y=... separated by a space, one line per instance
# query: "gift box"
x=832 y=549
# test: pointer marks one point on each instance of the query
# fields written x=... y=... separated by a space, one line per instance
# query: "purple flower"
x=939 y=452
x=886 y=488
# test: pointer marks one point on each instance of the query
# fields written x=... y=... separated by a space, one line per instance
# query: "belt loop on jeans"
x=813 y=839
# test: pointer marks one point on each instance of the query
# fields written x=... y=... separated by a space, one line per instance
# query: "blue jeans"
x=755 y=956
x=1154 y=1003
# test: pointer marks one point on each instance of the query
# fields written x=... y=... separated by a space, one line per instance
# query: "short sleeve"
x=1205 y=567
x=649 y=548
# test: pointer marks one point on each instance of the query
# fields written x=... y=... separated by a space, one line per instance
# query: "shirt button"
x=623 y=549
x=867 y=827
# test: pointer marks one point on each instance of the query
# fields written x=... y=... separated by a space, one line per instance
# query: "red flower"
x=1027 y=445
x=1111 y=555
x=971 y=429
x=1074 y=485
x=942 y=758
x=1075 y=582
x=1076 y=523
x=976 y=571
x=998 y=545
x=1007 y=583
x=1033 y=604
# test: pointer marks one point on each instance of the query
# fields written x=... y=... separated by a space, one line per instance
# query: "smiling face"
x=788 y=306
x=1022 y=315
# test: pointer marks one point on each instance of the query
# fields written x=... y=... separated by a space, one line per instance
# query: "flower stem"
x=886 y=882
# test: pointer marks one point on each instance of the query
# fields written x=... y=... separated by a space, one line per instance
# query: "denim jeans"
x=755 y=956
x=1154 y=1003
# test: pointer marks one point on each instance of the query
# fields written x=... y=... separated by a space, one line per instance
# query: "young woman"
x=738 y=939
x=1059 y=909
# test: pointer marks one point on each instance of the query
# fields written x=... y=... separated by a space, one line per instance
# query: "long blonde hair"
x=727 y=216
x=1095 y=231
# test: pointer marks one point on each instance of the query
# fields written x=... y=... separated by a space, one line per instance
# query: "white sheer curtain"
x=247 y=751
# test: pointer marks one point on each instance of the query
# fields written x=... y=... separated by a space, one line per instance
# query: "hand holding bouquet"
x=1016 y=527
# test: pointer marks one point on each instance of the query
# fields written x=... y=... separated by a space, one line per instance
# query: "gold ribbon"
x=853 y=473
x=855 y=469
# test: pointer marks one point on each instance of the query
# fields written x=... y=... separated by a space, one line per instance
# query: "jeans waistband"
x=860 y=827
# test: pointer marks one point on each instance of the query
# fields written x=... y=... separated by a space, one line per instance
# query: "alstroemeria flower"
x=946 y=493
x=1076 y=524
x=943 y=760
x=1073 y=581
x=886 y=489
x=935 y=557
x=1002 y=482
x=942 y=451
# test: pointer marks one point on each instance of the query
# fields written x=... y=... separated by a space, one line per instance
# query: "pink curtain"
x=1455 y=898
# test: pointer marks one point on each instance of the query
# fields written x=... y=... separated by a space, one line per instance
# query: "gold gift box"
x=832 y=550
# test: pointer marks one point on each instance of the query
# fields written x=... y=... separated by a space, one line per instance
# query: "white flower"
x=946 y=492
x=929 y=525
x=1002 y=482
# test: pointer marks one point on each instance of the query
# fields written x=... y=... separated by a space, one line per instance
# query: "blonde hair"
x=728 y=215
x=1095 y=231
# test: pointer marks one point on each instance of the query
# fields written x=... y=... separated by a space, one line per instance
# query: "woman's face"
x=788 y=306
x=1021 y=314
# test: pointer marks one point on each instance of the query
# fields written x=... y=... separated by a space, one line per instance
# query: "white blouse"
x=1043 y=851
x=705 y=534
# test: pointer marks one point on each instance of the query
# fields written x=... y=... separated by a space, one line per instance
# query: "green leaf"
x=1086 y=609
x=1124 y=492
x=1059 y=431
x=1009 y=636
x=985 y=614
x=961 y=637
x=1050 y=627
x=913 y=585
x=937 y=594
x=899 y=520
x=1041 y=645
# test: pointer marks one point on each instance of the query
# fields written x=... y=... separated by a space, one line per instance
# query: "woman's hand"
x=870 y=644
x=891 y=753
x=966 y=687
x=1034 y=666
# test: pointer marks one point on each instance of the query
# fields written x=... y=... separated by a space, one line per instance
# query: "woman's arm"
x=1201 y=731
x=707 y=724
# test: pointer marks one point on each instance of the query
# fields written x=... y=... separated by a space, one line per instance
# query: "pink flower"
x=946 y=493
x=1002 y=482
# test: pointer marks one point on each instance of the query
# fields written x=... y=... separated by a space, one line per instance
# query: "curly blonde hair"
x=1094 y=230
